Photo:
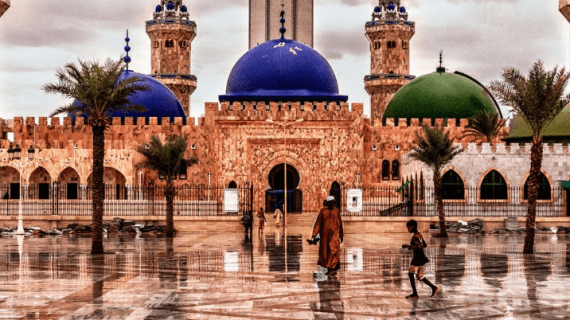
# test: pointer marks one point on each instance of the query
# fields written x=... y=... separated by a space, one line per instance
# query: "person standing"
x=278 y=215
x=419 y=260
x=247 y=221
x=328 y=226
x=261 y=216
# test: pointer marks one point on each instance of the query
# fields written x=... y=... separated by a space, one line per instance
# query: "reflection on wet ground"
x=274 y=276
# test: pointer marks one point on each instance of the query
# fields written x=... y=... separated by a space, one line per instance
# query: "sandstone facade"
x=233 y=143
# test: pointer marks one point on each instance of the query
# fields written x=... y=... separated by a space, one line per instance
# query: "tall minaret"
x=389 y=34
x=4 y=5
x=564 y=7
x=264 y=21
x=171 y=33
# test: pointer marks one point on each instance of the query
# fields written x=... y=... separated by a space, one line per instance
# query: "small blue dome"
x=170 y=6
x=127 y=48
x=391 y=6
x=402 y=9
x=127 y=59
x=184 y=9
x=158 y=8
x=282 y=70
x=159 y=101
x=377 y=9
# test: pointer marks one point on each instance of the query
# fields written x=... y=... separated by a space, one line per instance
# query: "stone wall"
x=333 y=143
x=512 y=161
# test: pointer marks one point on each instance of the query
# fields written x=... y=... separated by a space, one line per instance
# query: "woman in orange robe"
x=329 y=226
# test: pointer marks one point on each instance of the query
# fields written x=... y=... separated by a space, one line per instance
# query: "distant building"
x=264 y=20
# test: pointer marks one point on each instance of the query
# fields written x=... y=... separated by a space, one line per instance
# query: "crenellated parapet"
x=66 y=132
x=249 y=111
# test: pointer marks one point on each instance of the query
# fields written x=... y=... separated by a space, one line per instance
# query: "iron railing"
x=120 y=200
x=464 y=202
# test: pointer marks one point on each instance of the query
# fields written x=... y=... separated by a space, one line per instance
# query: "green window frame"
x=544 y=189
x=452 y=185
x=494 y=187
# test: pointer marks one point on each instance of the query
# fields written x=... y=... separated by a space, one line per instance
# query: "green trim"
x=565 y=184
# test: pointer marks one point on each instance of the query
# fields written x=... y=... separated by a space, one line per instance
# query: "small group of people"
x=328 y=232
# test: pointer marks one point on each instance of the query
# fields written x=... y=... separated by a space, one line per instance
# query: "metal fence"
x=120 y=200
x=414 y=200
x=378 y=201
x=478 y=202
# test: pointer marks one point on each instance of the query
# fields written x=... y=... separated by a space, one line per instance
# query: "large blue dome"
x=282 y=70
x=159 y=101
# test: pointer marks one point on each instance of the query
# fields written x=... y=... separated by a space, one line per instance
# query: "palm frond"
x=537 y=99
x=97 y=89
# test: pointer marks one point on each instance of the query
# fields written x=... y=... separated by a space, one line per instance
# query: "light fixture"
x=11 y=153
x=17 y=152
x=31 y=153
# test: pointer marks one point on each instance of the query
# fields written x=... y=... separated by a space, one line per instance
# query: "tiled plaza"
x=274 y=276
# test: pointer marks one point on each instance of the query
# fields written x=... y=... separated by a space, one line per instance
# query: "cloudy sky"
x=478 y=37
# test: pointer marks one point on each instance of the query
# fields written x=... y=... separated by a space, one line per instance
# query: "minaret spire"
x=127 y=49
x=440 y=68
x=282 y=30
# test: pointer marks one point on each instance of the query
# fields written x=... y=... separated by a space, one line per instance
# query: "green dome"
x=557 y=131
x=441 y=95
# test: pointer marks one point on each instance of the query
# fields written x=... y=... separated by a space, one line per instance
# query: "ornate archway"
x=40 y=183
x=275 y=196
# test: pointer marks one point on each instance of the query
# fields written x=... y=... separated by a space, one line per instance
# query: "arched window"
x=395 y=170
x=385 y=170
x=452 y=186
x=543 y=188
x=232 y=185
x=169 y=43
x=494 y=187
x=182 y=44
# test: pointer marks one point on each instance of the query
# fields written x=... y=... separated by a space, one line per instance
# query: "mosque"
x=282 y=110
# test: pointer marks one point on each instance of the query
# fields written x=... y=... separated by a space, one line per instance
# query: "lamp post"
x=16 y=156
x=285 y=125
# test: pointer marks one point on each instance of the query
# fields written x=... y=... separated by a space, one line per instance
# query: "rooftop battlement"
x=54 y=122
x=260 y=111
x=416 y=122
x=511 y=149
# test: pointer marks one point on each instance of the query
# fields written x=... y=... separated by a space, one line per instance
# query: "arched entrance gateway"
x=275 y=196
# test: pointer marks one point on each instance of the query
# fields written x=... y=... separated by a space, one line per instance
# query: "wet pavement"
x=274 y=276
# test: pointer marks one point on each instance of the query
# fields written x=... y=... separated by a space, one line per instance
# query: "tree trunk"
x=98 y=189
x=535 y=164
x=439 y=201
x=169 y=194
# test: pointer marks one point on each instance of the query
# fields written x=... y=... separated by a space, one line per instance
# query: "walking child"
x=419 y=260
x=261 y=216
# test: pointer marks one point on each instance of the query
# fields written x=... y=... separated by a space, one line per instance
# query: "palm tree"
x=98 y=93
x=435 y=149
x=167 y=159
x=484 y=125
x=537 y=99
